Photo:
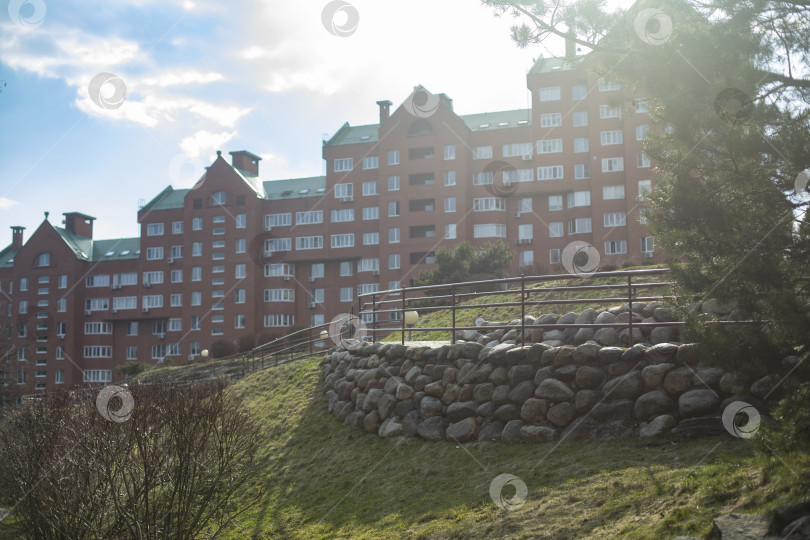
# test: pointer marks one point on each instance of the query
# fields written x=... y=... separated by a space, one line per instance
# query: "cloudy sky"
x=107 y=102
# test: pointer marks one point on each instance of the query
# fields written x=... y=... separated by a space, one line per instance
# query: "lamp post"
x=204 y=354
x=411 y=318
x=323 y=335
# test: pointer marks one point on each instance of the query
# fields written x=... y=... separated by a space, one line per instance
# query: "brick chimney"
x=17 y=237
x=79 y=223
x=385 y=110
x=245 y=161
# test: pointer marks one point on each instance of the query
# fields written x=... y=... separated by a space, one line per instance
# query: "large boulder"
x=678 y=381
x=430 y=407
x=390 y=428
x=609 y=355
x=619 y=410
x=586 y=353
x=765 y=386
x=663 y=334
x=485 y=410
x=654 y=374
x=432 y=429
x=584 y=400
x=628 y=386
x=507 y=412
x=434 y=389
x=589 y=377
x=451 y=394
x=698 y=403
x=661 y=353
x=537 y=434
x=499 y=376
x=501 y=395
x=511 y=431
x=459 y=411
x=520 y=373
x=461 y=431
x=371 y=422
x=534 y=410
x=491 y=431
x=653 y=404
x=606 y=336
x=582 y=335
x=520 y=393
x=483 y=392
x=659 y=425
x=561 y=414
x=497 y=355
x=690 y=354
x=554 y=390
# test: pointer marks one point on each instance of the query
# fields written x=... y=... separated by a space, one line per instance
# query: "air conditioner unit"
x=170 y=261
x=346 y=199
x=524 y=241
x=313 y=305
x=648 y=254
x=287 y=277
x=191 y=357
x=115 y=311
x=527 y=157
x=312 y=279
x=146 y=310
x=268 y=229
x=517 y=214
x=116 y=286
x=376 y=272
x=161 y=336
x=61 y=336
x=87 y=312
x=147 y=285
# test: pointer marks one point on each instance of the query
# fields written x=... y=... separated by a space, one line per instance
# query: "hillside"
x=323 y=480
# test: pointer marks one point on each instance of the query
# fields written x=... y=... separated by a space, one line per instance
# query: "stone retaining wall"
x=490 y=388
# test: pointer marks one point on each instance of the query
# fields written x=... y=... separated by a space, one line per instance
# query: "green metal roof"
x=81 y=246
x=121 y=249
x=168 y=199
x=7 y=256
x=295 y=188
x=549 y=65
x=498 y=120
x=355 y=134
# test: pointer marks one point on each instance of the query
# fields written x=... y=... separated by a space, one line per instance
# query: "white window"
x=449 y=204
x=393 y=157
x=371 y=238
x=279 y=320
x=346 y=294
x=177 y=227
x=371 y=212
x=279 y=295
x=607 y=86
x=241 y=221
x=609 y=111
x=647 y=244
x=97 y=375
x=551 y=146
x=154 y=253
x=393 y=261
x=177 y=252
x=61 y=281
x=520 y=149
x=524 y=205
x=278 y=270
x=482 y=152
x=196 y=298
x=23 y=284
x=643 y=215
x=393 y=183
x=196 y=273
x=371 y=162
x=97 y=351
x=316 y=271
x=346 y=268
x=642 y=161
x=641 y=105
x=644 y=188
x=61 y=305
x=370 y=188
x=344 y=164
x=277 y=220
x=555 y=229
x=482 y=178
x=309 y=242
x=241 y=245
x=641 y=132
x=153 y=300
x=580 y=144
x=525 y=231
x=518 y=175
x=240 y=271
x=450 y=231
x=368 y=264
x=579 y=91
x=343 y=240
x=176 y=300
x=611 y=137
x=613 y=192
x=218 y=198
x=125 y=302
x=196 y=249
x=175 y=325
x=579 y=225
x=613 y=164
x=489 y=204
x=97 y=304
x=239 y=296
x=89 y=281
x=582 y=171
x=309 y=218
x=393 y=235
x=154 y=229
x=449 y=178
x=450 y=151
x=555 y=203
x=195 y=322
x=393 y=208
x=551 y=93
x=344 y=191
x=272 y=245
x=526 y=258
x=554 y=172
x=579 y=198
x=489 y=230
x=196 y=224
x=615 y=219
x=153 y=278
x=615 y=247
x=367 y=288
x=550 y=120
x=580 y=118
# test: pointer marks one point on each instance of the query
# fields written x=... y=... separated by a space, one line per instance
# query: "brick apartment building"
x=238 y=258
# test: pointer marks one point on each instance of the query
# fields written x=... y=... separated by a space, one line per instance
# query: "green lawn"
x=323 y=480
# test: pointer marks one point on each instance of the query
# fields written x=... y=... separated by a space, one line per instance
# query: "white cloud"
x=204 y=143
x=5 y=203
x=177 y=78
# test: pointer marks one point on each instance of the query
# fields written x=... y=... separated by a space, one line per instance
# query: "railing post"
x=522 y=310
x=453 y=299
x=374 y=318
x=402 y=317
x=630 y=306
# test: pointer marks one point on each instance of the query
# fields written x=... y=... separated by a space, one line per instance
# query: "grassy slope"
x=466 y=317
x=323 y=480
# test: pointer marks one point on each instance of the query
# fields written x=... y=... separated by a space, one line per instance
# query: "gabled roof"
x=498 y=120
x=121 y=249
x=354 y=134
x=295 y=188
x=81 y=246
x=7 y=256
x=251 y=180
x=168 y=199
